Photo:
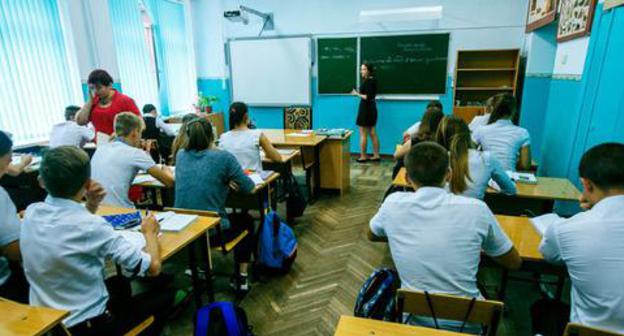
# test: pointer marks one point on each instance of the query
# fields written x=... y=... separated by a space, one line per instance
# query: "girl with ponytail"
x=471 y=169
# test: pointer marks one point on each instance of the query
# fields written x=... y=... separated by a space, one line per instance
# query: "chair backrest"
x=450 y=307
x=299 y=118
x=201 y=213
x=575 y=329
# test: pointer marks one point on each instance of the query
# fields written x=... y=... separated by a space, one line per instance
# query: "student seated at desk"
x=65 y=246
x=116 y=164
x=69 y=133
x=591 y=244
x=482 y=120
x=509 y=143
x=436 y=238
x=13 y=285
x=158 y=131
x=204 y=175
x=245 y=143
x=181 y=139
x=472 y=169
x=426 y=132
x=15 y=169
x=412 y=130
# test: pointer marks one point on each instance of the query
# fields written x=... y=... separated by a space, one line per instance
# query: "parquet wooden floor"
x=334 y=259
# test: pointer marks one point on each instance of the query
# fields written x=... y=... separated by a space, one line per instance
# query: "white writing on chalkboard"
x=399 y=59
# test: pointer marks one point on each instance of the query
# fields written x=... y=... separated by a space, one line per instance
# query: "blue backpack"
x=277 y=247
x=376 y=299
x=221 y=319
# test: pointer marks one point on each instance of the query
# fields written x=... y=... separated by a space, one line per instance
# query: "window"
x=37 y=77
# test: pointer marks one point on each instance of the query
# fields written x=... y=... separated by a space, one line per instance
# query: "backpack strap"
x=433 y=314
x=229 y=317
x=202 y=320
x=470 y=306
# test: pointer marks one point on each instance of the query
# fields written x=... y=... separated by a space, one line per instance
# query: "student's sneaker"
x=240 y=283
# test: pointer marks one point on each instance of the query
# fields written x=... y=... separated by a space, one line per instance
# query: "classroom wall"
x=477 y=24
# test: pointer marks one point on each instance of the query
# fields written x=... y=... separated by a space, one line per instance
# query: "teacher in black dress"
x=367 y=113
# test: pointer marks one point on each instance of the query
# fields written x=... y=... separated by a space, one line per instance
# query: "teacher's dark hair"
x=100 y=77
x=369 y=67
x=238 y=111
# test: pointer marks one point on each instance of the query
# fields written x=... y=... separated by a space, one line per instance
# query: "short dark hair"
x=148 y=108
x=70 y=112
x=64 y=170
x=238 y=111
x=602 y=165
x=5 y=144
x=427 y=164
x=435 y=103
x=200 y=135
x=101 y=77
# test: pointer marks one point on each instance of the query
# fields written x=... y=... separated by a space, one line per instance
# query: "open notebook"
x=541 y=223
x=173 y=222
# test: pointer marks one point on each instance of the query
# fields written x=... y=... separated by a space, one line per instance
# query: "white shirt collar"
x=608 y=203
x=430 y=196
x=63 y=202
x=504 y=122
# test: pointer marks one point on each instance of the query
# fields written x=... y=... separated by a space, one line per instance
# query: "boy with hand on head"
x=69 y=133
x=591 y=244
x=13 y=285
x=436 y=238
x=116 y=164
x=65 y=246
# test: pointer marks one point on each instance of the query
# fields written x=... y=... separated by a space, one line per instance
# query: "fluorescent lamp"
x=401 y=14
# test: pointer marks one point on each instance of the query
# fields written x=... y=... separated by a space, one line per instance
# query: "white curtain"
x=133 y=56
x=37 y=78
x=177 y=55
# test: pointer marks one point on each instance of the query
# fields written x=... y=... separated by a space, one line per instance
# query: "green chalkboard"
x=337 y=65
x=407 y=64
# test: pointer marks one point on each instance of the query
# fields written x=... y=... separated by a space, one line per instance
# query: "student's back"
x=436 y=239
x=245 y=146
x=504 y=140
x=483 y=167
x=69 y=133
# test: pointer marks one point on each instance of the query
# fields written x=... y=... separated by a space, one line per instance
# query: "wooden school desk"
x=538 y=198
x=356 y=326
x=172 y=242
x=309 y=145
x=21 y=319
x=261 y=194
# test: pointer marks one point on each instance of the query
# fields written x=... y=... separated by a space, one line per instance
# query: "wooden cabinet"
x=480 y=74
x=335 y=159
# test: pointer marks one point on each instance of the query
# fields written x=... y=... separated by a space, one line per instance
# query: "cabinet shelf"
x=485 y=69
x=484 y=88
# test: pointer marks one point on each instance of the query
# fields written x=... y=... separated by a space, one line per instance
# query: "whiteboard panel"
x=271 y=72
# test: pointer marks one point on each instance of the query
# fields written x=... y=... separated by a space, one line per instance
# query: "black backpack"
x=376 y=299
x=295 y=201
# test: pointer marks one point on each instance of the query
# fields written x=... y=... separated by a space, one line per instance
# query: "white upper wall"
x=474 y=24
x=570 y=57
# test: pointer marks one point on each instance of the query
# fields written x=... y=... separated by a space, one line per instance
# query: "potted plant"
x=204 y=103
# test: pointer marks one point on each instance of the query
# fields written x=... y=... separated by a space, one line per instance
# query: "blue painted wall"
x=533 y=110
x=338 y=111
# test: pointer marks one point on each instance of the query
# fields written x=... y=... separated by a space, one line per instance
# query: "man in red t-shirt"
x=104 y=103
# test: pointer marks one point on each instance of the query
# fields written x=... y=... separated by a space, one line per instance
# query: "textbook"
x=173 y=222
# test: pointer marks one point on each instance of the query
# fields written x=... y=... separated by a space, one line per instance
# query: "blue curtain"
x=37 y=80
x=136 y=72
x=178 y=80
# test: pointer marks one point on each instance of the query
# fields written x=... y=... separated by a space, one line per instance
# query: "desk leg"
x=207 y=262
x=317 y=171
x=195 y=275
x=503 y=287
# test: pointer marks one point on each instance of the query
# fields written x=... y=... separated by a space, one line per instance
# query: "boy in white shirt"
x=436 y=238
x=591 y=244
x=13 y=285
x=69 y=133
x=65 y=246
x=116 y=164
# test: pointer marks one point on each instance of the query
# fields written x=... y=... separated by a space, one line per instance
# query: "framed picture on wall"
x=541 y=13
x=575 y=18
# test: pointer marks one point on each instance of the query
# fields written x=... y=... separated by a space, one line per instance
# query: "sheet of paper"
x=256 y=178
x=298 y=135
x=285 y=151
x=102 y=138
x=144 y=178
x=541 y=223
x=527 y=178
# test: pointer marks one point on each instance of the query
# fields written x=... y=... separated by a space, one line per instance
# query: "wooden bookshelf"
x=480 y=74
